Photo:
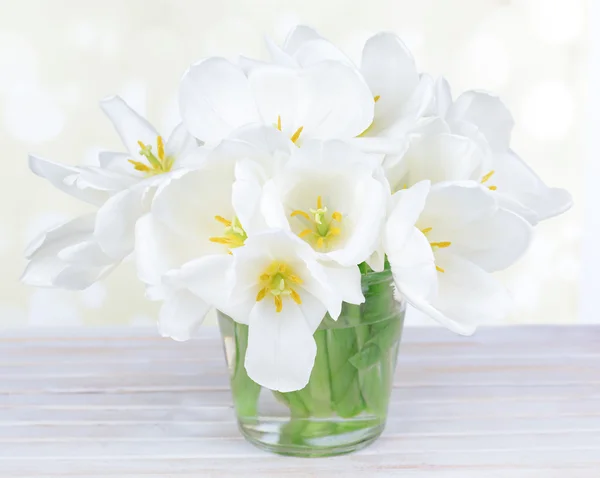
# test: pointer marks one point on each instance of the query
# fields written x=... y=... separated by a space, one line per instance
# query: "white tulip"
x=400 y=93
x=485 y=119
x=282 y=292
x=324 y=100
x=198 y=218
x=442 y=243
x=330 y=195
x=122 y=187
x=436 y=154
x=67 y=256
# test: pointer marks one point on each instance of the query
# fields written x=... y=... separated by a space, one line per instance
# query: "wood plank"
x=520 y=402
x=173 y=429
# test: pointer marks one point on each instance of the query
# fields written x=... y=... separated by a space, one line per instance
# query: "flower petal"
x=130 y=126
x=442 y=99
x=516 y=180
x=390 y=72
x=336 y=102
x=277 y=91
x=189 y=204
x=278 y=56
x=467 y=296
x=158 y=249
x=441 y=157
x=313 y=311
x=60 y=236
x=488 y=113
x=180 y=143
x=64 y=178
x=281 y=350
x=246 y=195
x=67 y=257
x=300 y=35
x=76 y=277
x=115 y=221
x=407 y=205
x=496 y=242
x=181 y=314
x=413 y=266
x=209 y=278
x=215 y=98
x=453 y=204
x=347 y=281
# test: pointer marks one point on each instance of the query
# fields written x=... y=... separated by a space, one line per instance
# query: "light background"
x=58 y=58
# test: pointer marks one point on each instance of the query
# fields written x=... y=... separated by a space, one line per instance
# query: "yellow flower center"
x=485 y=179
x=278 y=281
x=436 y=245
x=233 y=235
x=156 y=165
x=320 y=227
x=296 y=134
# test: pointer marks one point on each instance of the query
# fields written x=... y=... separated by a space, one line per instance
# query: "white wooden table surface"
x=508 y=402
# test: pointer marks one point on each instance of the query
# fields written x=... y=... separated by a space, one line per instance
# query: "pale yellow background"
x=58 y=58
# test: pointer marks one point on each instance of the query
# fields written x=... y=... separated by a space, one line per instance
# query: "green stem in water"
x=245 y=390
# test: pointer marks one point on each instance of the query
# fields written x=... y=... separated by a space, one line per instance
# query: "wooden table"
x=509 y=402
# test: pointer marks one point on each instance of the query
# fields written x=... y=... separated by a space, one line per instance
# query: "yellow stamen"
x=223 y=221
x=295 y=296
x=440 y=245
x=220 y=240
x=294 y=278
x=282 y=268
x=279 y=123
x=334 y=231
x=300 y=213
x=161 y=148
x=139 y=166
x=439 y=269
x=261 y=294
x=492 y=188
x=296 y=135
x=320 y=242
x=376 y=98
x=487 y=176
x=426 y=230
x=319 y=202
x=141 y=145
x=278 y=303
x=337 y=216
x=306 y=232
x=265 y=276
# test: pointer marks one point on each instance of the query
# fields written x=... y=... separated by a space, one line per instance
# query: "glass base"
x=311 y=438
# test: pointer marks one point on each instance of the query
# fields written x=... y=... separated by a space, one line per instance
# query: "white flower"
x=67 y=256
x=486 y=120
x=282 y=292
x=198 y=218
x=324 y=100
x=399 y=92
x=443 y=242
x=122 y=186
x=329 y=196
x=436 y=154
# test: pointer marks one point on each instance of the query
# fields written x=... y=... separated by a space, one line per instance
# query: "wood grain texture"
x=510 y=402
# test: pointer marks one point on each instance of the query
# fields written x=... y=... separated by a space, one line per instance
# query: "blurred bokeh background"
x=59 y=57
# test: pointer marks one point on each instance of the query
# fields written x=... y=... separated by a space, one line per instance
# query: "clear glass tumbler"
x=344 y=405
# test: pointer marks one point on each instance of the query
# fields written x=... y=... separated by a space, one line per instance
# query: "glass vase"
x=344 y=405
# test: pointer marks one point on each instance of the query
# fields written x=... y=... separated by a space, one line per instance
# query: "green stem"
x=245 y=390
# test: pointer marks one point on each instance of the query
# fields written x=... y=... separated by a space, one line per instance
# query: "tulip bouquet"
x=306 y=198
